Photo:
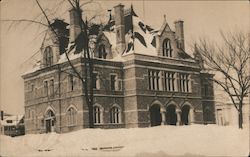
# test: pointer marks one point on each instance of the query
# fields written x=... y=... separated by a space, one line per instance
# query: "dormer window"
x=166 y=48
x=102 y=52
x=48 y=56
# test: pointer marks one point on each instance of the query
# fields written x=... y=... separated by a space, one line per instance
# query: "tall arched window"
x=102 y=52
x=97 y=115
x=115 y=115
x=166 y=48
x=71 y=116
x=48 y=56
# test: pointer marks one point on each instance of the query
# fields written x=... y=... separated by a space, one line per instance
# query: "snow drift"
x=193 y=140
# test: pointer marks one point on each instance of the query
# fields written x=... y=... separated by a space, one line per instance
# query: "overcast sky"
x=21 y=41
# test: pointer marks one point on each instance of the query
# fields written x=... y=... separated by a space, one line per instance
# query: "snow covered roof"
x=11 y=120
x=140 y=39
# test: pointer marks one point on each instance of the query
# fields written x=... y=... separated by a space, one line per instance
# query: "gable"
x=164 y=28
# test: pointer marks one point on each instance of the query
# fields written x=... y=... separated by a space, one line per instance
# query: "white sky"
x=20 y=42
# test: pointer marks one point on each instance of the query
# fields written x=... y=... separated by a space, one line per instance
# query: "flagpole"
x=143 y=10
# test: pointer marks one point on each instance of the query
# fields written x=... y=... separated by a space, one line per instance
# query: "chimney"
x=75 y=28
x=179 y=34
x=1 y=115
x=60 y=27
x=119 y=27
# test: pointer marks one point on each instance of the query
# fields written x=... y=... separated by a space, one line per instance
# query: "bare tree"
x=81 y=45
x=230 y=61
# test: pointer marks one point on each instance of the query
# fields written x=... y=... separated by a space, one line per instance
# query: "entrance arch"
x=185 y=115
x=50 y=120
x=171 y=115
x=155 y=115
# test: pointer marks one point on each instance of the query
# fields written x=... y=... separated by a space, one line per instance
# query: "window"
x=71 y=82
x=169 y=81
x=50 y=114
x=208 y=114
x=27 y=113
x=184 y=83
x=46 y=88
x=113 y=82
x=102 y=52
x=97 y=115
x=96 y=81
x=32 y=87
x=115 y=115
x=154 y=79
x=52 y=87
x=166 y=48
x=48 y=56
x=205 y=90
x=33 y=116
x=71 y=116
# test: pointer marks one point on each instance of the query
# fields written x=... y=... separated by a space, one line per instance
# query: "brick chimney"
x=2 y=115
x=179 y=34
x=75 y=28
x=120 y=27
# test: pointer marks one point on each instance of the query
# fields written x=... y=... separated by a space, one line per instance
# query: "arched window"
x=71 y=116
x=115 y=115
x=102 y=52
x=166 y=48
x=48 y=56
x=50 y=114
x=97 y=115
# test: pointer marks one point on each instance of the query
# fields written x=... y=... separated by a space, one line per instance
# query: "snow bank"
x=194 y=140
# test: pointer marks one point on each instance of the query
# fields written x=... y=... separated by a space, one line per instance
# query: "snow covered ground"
x=193 y=140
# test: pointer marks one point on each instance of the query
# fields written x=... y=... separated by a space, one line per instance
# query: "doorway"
x=185 y=115
x=155 y=115
x=50 y=121
x=171 y=115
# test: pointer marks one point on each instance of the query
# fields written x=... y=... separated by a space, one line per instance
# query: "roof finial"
x=110 y=15
x=164 y=18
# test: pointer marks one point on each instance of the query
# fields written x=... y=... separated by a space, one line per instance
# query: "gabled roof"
x=11 y=120
x=164 y=26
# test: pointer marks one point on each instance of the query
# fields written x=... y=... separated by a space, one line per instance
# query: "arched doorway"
x=171 y=115
x=155 y=115
x=50 y=120
x=185 y=115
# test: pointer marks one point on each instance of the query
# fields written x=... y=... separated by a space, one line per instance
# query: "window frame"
x=184 y=83
x=115 y=115
x=97 y=114
x=102 y=51
x=71 y=116
x=167 y=50
x=114 y=84
x=48 y=56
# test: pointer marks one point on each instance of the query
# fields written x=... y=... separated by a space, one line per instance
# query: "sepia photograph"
x=124 y=78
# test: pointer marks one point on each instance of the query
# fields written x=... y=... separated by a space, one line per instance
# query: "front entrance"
x=50 y=121
x=171 y=115
x=155 y=115
x=185 y=115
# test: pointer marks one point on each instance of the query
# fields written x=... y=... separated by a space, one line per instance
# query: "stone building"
x=142 y=77
x=226 y=113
